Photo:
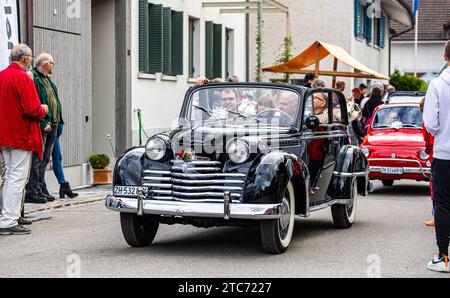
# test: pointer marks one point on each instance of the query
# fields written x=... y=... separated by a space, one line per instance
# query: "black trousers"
x=38 y=167
x=441 y=189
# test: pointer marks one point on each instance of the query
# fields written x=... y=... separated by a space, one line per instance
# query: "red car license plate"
x=392 y=171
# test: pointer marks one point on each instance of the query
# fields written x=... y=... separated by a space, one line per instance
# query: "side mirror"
x=312 y=122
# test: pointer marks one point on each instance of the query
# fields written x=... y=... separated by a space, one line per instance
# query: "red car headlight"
x=424 y=155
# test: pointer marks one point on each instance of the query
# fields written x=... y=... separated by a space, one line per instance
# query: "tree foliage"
x=407 y=82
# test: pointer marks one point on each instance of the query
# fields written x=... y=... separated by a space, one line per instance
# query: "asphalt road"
x=388 y=240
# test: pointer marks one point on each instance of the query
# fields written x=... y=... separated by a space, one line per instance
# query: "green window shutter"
x=143 y=36
x=382 y=34
x=167 y=41
x=217 y=68
x=358 y=19
x=155 y=15
x=209 y=53
x=191 y=48
x=177 y=43
x=368 y=25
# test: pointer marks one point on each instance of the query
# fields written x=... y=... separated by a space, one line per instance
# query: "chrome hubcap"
x=285 y=220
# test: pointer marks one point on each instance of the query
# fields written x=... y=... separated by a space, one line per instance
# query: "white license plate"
x=129 y=191
x=392 y=171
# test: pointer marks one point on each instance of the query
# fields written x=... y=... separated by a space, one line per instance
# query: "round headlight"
x=238 y=151
x=156 y=149
x=365 y=151
x=424 y=155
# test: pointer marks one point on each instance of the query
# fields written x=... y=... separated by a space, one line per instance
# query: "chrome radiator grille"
x=201 y=181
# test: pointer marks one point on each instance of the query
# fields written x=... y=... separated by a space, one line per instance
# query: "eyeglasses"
x=321 y=99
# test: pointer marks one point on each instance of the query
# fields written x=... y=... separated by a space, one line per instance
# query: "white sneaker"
x=439 y=264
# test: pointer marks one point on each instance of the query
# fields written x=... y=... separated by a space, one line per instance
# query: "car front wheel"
x=138 y=231
x=277 y=234
x=344 y=215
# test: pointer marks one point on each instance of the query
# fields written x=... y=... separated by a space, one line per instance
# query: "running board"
x=328 y=204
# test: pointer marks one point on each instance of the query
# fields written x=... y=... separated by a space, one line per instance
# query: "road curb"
x=68 y=203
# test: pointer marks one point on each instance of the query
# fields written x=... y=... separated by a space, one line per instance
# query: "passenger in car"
x=321 y=107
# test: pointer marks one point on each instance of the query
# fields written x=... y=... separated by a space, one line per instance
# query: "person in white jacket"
x=437 y=122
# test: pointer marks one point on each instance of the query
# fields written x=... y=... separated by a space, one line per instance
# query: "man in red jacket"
x=20 y=134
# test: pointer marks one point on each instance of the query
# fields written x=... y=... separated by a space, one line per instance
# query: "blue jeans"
x=58 y=157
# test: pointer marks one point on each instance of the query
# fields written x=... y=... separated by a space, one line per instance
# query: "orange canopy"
x=319 y=51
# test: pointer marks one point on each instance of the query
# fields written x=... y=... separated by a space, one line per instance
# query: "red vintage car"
x=395 y=146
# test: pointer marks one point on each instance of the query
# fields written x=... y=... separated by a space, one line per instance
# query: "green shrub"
x=407 y=82
x=99 y=161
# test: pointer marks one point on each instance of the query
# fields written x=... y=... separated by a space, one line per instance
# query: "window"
x=194 y=50
x=160 y=39
x=372 y=29
x=213 y=41
x=381 y=31
x=229 y=53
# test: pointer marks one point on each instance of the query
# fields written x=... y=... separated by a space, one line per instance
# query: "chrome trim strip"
x=195 y=169
x=205 y=163
x=215 y=175
x=203 y=194
x=350 y=175
x=325 y=137
x=202 y=188
x=213 y=210
x=208 y=182
x=158 y=185
x=171 y=198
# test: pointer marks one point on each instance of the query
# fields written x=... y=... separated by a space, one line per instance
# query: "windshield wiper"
x=382 y=126
x=210 y=114
x=410 y=126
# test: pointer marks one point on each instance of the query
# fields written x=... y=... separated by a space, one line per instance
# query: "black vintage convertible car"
x=243 y=155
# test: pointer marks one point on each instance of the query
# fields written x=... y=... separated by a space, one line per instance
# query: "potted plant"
x=99 y=164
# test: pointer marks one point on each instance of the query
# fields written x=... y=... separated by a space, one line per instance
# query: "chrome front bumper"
x=424 y=171
x=227 y=210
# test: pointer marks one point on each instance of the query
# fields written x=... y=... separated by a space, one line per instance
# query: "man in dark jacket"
x=20 y=111
x=48 y=94
x=310 y=79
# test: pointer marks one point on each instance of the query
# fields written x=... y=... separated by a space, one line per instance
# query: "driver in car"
x=288 y=105
x=228 y=104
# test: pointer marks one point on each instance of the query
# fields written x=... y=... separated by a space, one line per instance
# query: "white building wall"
x=430 y=56
x=160 y=97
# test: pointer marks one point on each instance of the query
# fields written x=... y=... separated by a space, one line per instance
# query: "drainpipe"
x=247 y=46
x=390 y=45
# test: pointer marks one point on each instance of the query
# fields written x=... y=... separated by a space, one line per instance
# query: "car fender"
x=270 y=175
x=128 y=167
x=351 y=164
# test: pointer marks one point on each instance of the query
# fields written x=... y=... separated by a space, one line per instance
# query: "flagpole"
x=416 y=42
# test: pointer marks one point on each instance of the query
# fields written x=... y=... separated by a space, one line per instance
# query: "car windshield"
x=405 y=99
x=270 y=105
x=398 y=117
